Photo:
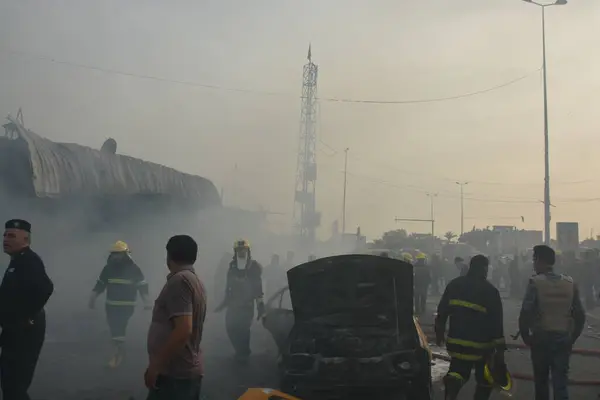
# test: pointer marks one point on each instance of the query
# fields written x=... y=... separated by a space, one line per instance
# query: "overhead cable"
x=262 y=92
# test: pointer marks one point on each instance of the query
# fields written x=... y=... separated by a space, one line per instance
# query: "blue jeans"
x=176 y=389
x=550 y=353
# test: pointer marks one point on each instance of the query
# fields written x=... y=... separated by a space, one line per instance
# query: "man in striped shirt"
x=122 y=279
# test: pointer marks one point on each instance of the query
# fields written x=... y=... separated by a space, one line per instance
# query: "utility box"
x=567 y=235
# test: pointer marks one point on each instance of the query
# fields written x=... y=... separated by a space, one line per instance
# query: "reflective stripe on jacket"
x=122 y=280
x=474 y=309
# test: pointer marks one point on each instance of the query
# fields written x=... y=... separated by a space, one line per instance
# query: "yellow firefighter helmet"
x=241 y=244
x=421 y=256
x=119 y=247
x=407 y=257
x=504 y=384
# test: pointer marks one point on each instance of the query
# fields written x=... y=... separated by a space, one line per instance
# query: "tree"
x=481 y=239
x=450 y=236
x=394 y=239
x=400 y=239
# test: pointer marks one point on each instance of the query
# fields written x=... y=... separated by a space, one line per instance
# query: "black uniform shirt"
x=25 y=289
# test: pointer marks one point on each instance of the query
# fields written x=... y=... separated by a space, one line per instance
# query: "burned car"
x=350 y=331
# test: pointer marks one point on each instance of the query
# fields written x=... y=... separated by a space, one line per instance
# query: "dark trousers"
x=460 y=372
x=550 y=354
x=238 y=321
x=420 y=299
x=168 y=388
x=21 y=346
x=118 y=319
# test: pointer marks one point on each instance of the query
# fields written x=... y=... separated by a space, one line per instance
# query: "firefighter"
x=122 y=279
x=407 y=257
x=244 y=289
x=476 y=333
x=551 y=320
x=24 y=292
x=422 y=282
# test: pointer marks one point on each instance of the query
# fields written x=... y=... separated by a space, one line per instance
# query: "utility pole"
x=431 y=197
x=547 y=203
x=432 y=220
x=345 y=185
x=462 y=206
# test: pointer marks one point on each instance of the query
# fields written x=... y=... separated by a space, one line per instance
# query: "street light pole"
x=462 y=206
x=431 y=196
x=546 y=140
x=345 y=184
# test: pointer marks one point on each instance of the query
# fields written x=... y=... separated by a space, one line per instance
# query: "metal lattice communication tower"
x=306 y=217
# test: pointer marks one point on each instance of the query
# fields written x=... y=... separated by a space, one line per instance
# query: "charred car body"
x=350 y=330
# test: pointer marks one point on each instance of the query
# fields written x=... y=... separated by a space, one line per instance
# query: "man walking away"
x=476 y=331
x=435 y=267
x=175 y=370
x=461 y=266
x=422 y=282
x=24 y=292
x=122 y=279
x=552 y=318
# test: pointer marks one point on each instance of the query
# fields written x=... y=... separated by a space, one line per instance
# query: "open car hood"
x=353 y=291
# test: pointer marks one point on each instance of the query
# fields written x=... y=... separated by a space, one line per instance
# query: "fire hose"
x=529 y=377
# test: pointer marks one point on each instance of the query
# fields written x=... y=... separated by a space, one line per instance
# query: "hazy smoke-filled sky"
x=376 y=50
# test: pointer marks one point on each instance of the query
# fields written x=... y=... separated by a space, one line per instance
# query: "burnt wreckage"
x=349 y=330
x=55 y=176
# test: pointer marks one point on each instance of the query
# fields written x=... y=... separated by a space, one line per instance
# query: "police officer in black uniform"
x=476 y=332
x=24 y=292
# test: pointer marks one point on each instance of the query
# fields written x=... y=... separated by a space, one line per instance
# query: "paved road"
x=72 y=365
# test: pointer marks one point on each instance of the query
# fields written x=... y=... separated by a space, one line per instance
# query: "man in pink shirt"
x=175 y=370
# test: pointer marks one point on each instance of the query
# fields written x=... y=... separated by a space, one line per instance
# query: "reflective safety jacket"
x=122 y=279
x=474 y=308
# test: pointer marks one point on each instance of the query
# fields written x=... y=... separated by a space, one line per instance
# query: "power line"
x=262 y=92
x=452 y=196
x=438 y=99
x=450 y=179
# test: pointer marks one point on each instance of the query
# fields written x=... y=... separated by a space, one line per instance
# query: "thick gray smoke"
x=74 y=241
